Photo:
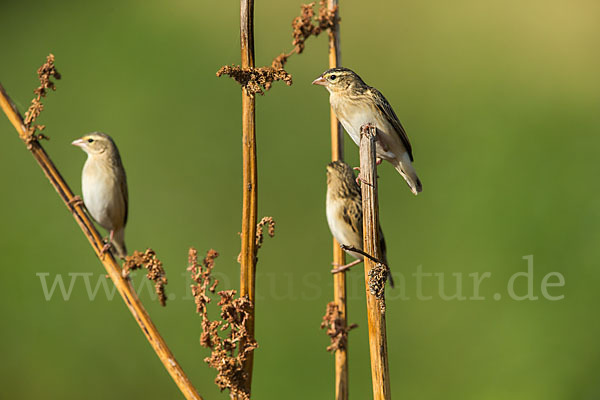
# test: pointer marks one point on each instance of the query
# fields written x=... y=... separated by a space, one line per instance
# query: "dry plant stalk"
x=228 y=354
x=156 y=273
x=26 y=133
x=329 y=19
x=249 y=190
x=375 y=273
x=307 y=25
x=336 y=327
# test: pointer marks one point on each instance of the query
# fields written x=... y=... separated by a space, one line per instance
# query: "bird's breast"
x=340 y=229
x=102 y=195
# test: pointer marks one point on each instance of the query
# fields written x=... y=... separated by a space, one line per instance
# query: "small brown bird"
x=356 y=104
x=104 y=187
x=344 y=211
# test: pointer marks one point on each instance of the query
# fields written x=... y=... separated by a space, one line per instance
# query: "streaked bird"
x=344 y=211
x=356 y=104
x=104 y=187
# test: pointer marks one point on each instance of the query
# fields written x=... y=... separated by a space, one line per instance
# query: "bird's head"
x=339 y=80
x=338 y=172
x=96 y=143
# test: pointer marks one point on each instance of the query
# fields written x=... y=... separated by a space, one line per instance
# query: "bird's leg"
x=108 y=244
x=75 y=201
x=105 y=248
x=359 y=179
x=341 y=268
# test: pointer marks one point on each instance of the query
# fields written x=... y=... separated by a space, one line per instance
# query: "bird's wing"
x=382 y=246
x=352 y=214
x=386 y=109
x=125 y=194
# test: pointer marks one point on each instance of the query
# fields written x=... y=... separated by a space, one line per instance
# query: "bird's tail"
x=118 y=243
x=406 y=169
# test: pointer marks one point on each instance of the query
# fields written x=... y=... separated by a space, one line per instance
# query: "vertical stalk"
x=249 y=180
x=375 y=306
x=339 y=258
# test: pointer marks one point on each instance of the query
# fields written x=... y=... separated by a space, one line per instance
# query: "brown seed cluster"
x=231 y=351
x=307 y=25
x=337 y=332
x=45 y=73
x=156 y=273
x=377 y=277
x=269 y=222
x=254 y=80
x=258 y=80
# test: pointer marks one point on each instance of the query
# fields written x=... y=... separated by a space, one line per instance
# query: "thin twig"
x=375 y=273
x=112 y=268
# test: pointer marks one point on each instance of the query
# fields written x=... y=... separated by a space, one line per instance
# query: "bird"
x=356 y=104
x=104 y=188
x=344 y=212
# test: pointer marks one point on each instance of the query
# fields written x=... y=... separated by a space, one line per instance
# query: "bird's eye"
x=332 y=77
x=90 y=140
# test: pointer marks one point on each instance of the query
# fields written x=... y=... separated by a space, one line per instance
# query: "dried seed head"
x=229 y=351
x=156 y=272
x=254 y=80
x=45 y=72
x=336 y=329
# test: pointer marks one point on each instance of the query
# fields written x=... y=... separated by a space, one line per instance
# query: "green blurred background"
x=500 y=100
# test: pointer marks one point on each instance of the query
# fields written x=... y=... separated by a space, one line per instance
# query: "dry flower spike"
x=269 y=222
x=45 y=72
x=378 y=275
x=156 y=273
x=336 y=329
x=307 y=25
x=228 y=353
x=254 y=80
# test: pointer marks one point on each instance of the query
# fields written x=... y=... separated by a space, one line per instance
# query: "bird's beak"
x=320 y=81
x=78 y=143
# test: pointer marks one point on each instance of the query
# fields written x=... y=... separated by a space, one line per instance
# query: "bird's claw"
x=75 y=201
x=105 y=248
x=366 y=128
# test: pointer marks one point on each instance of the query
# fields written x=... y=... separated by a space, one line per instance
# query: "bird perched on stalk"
x=104 y=187
x=356 y=104
x=344 y=212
